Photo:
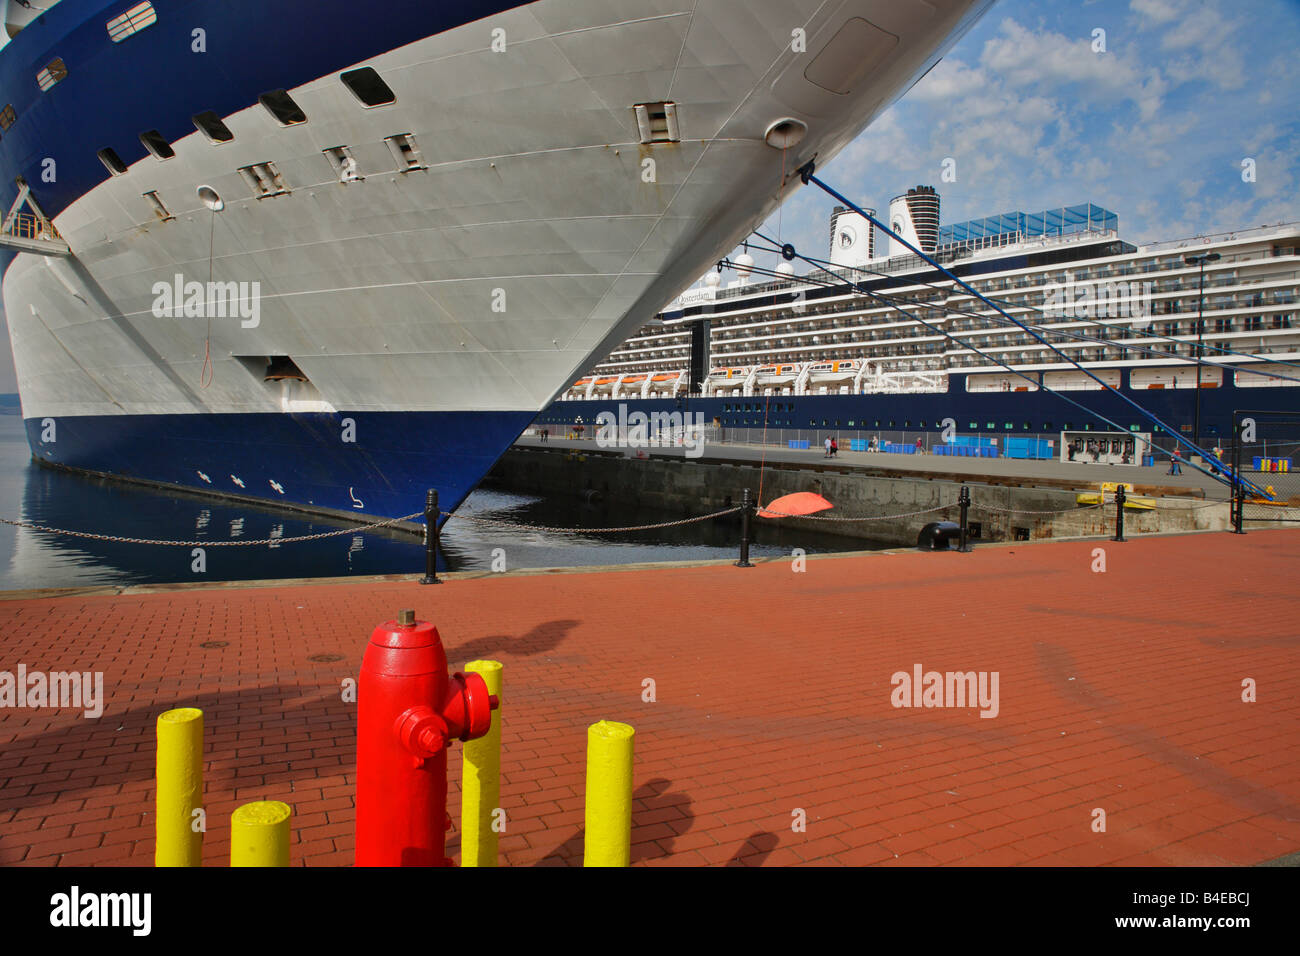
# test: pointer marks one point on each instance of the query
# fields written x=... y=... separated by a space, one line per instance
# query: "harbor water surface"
x=36 y=559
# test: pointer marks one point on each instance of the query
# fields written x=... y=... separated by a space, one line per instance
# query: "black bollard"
x=963 y=499
x=431 y=539
x=1236 y=509
x=1120 y=498
x=745 y=507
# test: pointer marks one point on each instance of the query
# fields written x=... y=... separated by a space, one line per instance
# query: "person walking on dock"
x=1174 y=467
x=920 y=446
x=835 y=447
x=827 y=444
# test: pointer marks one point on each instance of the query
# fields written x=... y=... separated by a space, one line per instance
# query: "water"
x=31 y=559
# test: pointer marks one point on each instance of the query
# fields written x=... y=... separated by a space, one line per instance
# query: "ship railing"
x=28 y=232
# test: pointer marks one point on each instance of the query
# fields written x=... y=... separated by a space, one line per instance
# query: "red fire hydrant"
x=408 y=713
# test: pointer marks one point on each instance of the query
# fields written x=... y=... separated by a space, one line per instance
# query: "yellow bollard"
x=609 y=795
x=259 y=834
x=179 y=787
x=480 y=787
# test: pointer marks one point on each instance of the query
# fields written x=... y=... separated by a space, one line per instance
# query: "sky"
x=1152 y=119
x=1037 y=115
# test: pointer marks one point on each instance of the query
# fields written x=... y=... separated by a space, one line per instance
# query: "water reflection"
x=31 y=559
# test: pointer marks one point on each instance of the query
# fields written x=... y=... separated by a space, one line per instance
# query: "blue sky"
x=1154 y=129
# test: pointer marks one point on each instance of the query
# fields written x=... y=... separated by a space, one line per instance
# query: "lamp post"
x=1200 y=261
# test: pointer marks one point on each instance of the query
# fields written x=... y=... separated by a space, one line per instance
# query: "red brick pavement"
x=1118 y=690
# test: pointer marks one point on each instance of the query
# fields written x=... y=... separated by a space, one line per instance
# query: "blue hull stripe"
x=989 y=411
x=395 y=458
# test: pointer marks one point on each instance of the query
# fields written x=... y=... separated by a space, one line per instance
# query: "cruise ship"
x=873 y=339
x=330 y=254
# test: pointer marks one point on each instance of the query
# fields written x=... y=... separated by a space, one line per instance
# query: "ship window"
x=133 y=21
x=367 y=86
x=154 y=142
x=113 y=162
x=209 y=124
x=657 y=122
x=405 y=152
x=157 y=206
x=54 y=71
x=281 y=105
x=8 y=117
x=1047 y=426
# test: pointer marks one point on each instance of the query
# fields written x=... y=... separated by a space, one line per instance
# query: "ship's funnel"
x=915 y=217
x=853 y=241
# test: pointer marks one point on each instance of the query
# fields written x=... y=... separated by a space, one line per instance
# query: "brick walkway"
x=1117 y=690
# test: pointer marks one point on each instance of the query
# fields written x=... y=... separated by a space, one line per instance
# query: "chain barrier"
x=906 y=514
x=118 y=539
x=545 y=528
x=1209 y=504
x=1027 y=511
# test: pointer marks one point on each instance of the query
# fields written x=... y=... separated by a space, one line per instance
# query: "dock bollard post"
x=963 y=499
x=179 y=788
x=431 y=539
x=480 y=785
x=745 y=507
x=608 y=836
x=259 y=834
x=1120 y=498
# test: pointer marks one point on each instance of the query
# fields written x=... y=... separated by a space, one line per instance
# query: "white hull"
x=383 y=291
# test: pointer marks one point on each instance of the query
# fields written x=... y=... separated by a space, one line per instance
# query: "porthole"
x=281 y=105
x=156 y=144
x=132 y=22
x=210 y=125
x=54 y=71
x=112 y=162
x=368 y=86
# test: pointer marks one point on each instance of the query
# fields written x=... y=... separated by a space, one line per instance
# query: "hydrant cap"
x=406 y=637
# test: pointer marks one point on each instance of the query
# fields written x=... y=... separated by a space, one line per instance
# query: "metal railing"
x=25 y=225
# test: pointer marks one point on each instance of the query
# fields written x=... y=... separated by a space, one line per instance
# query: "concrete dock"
x=888 y=497
x=1118 y=690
